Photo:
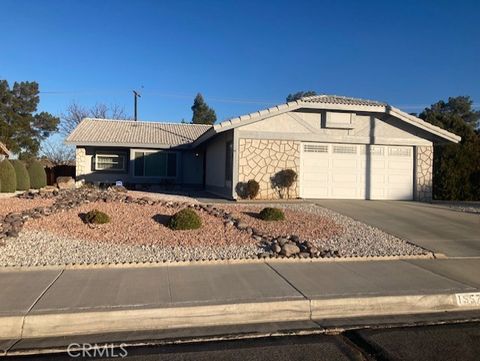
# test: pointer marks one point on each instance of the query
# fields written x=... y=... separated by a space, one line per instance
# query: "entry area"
x=356 y=171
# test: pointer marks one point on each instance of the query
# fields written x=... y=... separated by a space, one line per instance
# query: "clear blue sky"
x=408 y=53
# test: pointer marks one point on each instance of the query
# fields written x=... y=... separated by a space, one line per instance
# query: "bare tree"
x=58 y=153
x=76 y=112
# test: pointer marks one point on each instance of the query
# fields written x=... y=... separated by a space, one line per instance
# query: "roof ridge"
x=341 y=97
x=145 y=121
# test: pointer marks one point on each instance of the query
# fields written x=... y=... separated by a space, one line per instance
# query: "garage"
x=356 y=171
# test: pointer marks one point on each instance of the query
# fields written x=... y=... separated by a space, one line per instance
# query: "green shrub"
x=23 y=179
x=271 y=214
x=185 y=219
x=38 y=177
x=282 y=181
x=97 y=217
x=8 y=178
x=252 y=188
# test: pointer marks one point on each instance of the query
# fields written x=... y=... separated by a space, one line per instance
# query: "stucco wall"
x=366 y=128
x=261 y=159
x=215 y=153
x=423 y=173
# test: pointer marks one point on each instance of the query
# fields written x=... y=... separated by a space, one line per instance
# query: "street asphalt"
x=437 y=228
x=447 y=342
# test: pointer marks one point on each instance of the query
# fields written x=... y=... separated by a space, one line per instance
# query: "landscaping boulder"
x=290 y=249
x=65 y=183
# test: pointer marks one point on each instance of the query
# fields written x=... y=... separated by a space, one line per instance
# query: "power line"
x=161 y=94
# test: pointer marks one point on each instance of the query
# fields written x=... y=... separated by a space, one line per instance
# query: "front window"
x=155 y=164
x=110 y=162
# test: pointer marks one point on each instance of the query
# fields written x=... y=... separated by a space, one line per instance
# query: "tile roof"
x=337 y=99
x=130 y=133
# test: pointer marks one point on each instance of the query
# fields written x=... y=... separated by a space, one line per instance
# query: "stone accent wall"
x=81 y=162
x=423 y=172
x=260 y=159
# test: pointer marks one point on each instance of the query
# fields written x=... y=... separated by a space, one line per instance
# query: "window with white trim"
x=114 y=162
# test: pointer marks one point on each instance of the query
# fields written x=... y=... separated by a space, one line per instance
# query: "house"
x=4 y=152
x=340 y=147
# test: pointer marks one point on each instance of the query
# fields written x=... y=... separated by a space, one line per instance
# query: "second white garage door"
x=351 y=171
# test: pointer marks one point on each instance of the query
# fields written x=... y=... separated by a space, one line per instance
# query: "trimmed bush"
x=252 y=188
x=282 y=181
x=185 y=219
x=8 y=178
x=97 y=217
x=38 y=177
x=23 y=179
x=271 y=214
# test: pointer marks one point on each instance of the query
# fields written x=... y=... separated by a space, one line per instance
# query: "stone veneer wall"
x=260 y=159
x=424 y=171
x=81 y=161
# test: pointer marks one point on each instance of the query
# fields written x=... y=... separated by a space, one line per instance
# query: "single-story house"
x=4 y=152
x=339 y=147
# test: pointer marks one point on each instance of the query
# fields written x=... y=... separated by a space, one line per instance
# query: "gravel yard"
x=307 y=225
x=138 y=233
x=139 y=224
x=14 y=205
x=467 y=207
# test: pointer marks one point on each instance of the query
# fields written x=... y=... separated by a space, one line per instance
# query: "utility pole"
x=135 y=96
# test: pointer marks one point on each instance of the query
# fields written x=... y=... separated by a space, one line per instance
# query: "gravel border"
x=39 y=248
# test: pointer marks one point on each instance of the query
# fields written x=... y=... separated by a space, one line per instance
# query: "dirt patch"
x=139 y=224
x=306 y=225
x=15 y=205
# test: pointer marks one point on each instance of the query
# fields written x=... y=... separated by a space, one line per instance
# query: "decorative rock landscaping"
x=54 y=234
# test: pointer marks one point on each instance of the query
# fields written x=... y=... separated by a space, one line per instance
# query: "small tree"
x=202 y=113
x=8 y=178
x=75 y=112
x=38 y=177
x=23 y=179
x=282 y=181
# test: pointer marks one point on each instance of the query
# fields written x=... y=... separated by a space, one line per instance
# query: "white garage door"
x=352 y=171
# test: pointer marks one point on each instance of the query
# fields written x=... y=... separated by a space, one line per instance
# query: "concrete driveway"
x=453 y=233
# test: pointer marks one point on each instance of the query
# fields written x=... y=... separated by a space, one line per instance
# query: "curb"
x=91 y=266
x=98 y=322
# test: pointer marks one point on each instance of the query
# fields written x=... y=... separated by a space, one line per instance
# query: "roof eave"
x=129 y=145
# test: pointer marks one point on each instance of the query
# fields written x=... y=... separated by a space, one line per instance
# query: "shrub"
x=283 y=180
x=23 y=179
x=252 y=188
x=8 y=178
x=97 y=217
x=185 y=219
x=271 y=214
x=38 y=177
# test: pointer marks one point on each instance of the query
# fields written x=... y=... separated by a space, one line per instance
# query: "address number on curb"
x=468 y=299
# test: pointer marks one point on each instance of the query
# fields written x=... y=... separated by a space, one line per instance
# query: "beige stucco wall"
x=366 y=128
x=215 y=153
x=261 y=159
x=423 y=173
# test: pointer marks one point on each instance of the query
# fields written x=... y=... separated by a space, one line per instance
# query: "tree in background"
x=58 y=153
x=301 y=94
x=76 y=112
x=202 y=113
x=21 y=128
x=456 y=167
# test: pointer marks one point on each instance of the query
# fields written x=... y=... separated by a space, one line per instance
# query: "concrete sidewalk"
x=59 y=303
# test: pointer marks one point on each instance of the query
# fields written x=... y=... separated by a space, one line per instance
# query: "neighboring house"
x=340 y=148
x=4 y=152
